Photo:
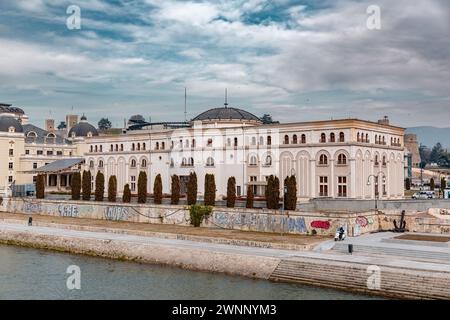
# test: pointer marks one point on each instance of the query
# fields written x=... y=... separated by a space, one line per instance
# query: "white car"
x=424 y=195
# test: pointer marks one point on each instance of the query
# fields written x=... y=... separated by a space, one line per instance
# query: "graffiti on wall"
x=320 y=224
x=363 y=221
x=68 y=210
x=32 y=207
x=116 y=213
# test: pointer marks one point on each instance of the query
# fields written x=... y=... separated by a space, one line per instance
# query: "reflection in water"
x=39 y=274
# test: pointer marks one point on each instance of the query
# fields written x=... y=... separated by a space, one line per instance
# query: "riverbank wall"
x=434 y=220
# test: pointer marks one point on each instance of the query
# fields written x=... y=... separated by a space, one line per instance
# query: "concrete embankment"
x=398 y=278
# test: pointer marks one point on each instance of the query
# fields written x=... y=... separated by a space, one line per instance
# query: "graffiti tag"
x=362 y=221
x=116 y=213
x=31 y=207
x=68 y=210
x=320 y=224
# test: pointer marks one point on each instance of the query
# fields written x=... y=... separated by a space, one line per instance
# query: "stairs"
x=438 y=254
x=395 y=282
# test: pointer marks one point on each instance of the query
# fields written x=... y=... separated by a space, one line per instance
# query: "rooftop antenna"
x=226 y=98
x=185 y=98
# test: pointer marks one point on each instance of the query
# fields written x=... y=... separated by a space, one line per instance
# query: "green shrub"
x=198 y=213
x=112 y=189
x=175 y=191
x=157 y=190
x=192 y=189
x=126 y=197
x=76 y=186
x=142 y=187
x=99 y=186
x=231 y=192
x=210 y=190
x=86 y=182
x=40 y=186
x=250 y=197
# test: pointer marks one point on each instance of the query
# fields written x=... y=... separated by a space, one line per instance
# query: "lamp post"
x=377 y=191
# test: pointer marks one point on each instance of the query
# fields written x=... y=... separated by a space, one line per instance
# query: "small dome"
x=8 y=122
x=137 y=118
x=226 y=113
x=6 y=108
x=83 y=129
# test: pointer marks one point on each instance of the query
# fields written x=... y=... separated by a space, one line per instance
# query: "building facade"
x=346 y=158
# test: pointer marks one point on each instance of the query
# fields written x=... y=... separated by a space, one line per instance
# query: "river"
x=41 y=274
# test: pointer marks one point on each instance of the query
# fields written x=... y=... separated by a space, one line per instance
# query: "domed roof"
x=136 y=118
x=226 y=113
x=7 y=122
x=6 y=108
x=82 y=129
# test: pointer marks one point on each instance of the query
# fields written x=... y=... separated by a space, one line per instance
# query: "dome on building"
x=83 y=129
x=6 y=108
x=137 y=118
x=226 y=113
x=7 y=122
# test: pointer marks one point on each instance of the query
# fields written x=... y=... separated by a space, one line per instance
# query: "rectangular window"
x=238 y=191
x=34 y=179
x=11 y=152
x=10 y=166
x=342 y=187
x=59 y=153
x=49 y=152
x=323 y=186
x=40 y=152
x=10 y=179
x=34 y=165
x=133 y=183
x=27 y=151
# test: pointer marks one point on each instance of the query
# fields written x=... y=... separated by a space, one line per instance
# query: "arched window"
x=294 y=139
x=91 y=164
x=144 y=163
x=358 y=137
x=367 y=137
x=268 y=161
x=133 y=163
x=101 y=148
x=341 y=137
x=91 y=149
x=157 y=146
x=186 y=143
x=171 y=162
x=193 y=143
x=163 y=145
x=191 y=161
x=332 y=137
x=229 y=142
x=96 y=148
x=392 y=141
x=117 y=147
x=143 y=146
x=132 y=147
x=210 y=162
x=323 y=138
x=139 y=146
x=303 y=138
x=261 y=141
x=183 y=162
x=323 y=159
x=384 y=140
x=383 y=163
x=269 y=140
x=342 y=159
x=100 y=164
x=235 y=142
x=286 y=139
x=376 y=139
x=121 y=147
x=253 y=141
x=376 y=160
x=253 y=161
x=111 y=148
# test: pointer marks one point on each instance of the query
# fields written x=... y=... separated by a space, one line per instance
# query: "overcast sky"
x=297 y=60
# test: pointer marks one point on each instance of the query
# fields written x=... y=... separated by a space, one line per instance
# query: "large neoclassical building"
x=347 y=158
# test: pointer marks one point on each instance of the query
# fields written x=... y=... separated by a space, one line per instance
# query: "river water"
x=41 y=274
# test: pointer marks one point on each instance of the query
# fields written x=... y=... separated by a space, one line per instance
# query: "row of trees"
x=81 y=189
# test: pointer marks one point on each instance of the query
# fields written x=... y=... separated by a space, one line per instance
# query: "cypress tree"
x=192 y=189
x=76 y=186
x=443 y=185
x=231 y=192
x=112 y=189
x=408 y=184
x=40 y=186
x=86 y=182
x=157 y=190
x=290 y=201
x=175 y=190
x=142 y=187
x=432 y=185
x=126 y=197
x=273 y=192
x=250 y=197
x=210 y=190
x=99 y=186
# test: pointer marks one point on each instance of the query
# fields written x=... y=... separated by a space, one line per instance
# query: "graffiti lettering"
x=68 y=210
x=30 y=207
x=320 y=224
x=296 y=225
x=361 y=221
x=116 y=213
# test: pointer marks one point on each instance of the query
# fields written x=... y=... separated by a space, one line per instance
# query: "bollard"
x=30 y=221
x=350 y=248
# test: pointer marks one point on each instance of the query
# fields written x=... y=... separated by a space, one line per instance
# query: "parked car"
x=424 y=195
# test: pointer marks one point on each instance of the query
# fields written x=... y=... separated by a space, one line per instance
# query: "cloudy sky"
x=297 y=60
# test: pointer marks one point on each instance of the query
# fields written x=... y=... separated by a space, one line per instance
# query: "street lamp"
x=377 y=193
